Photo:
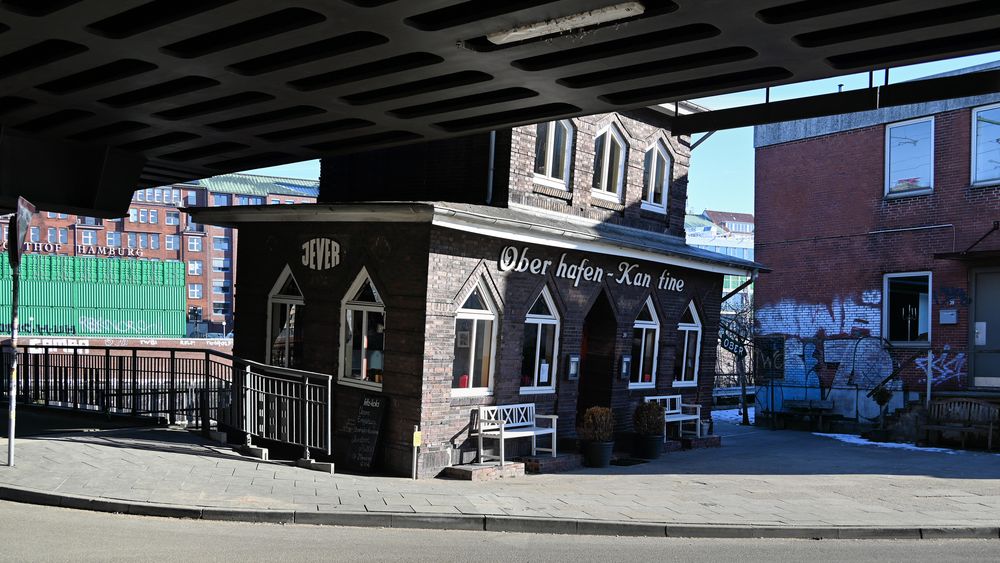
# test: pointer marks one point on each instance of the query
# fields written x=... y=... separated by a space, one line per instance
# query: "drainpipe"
x=489 y=178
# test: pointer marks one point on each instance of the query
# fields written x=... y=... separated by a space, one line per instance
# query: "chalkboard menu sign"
x=769 y=353
x=367 y=427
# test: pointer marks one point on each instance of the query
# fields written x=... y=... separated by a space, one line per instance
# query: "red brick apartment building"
x=544 y=264
x=157 y=227
x=881 y=229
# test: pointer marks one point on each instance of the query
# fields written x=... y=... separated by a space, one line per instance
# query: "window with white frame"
x=221 y=264
x=909 y=156
x=362 y=333
x=195 y=268
x=133 y=215
x=35 y=234
x=553 y=153
x=194 y=244
x=173 y=218
x=220 y=308
x=194 y=291
x=154 y=241
x=131 y=240
x=88 y=237
x=173 y=242
x=284 y=331
x=906 y=308
x=540 y=349
x=688 y=349
x=609 y=164
x=656 y=171
x=143 y=215
x=114 y=239
x=475 y=340
x=986 y=145
x=645 y=347
x=220 y=243
x=221 y=287
x=51 y=236
x=154 y=216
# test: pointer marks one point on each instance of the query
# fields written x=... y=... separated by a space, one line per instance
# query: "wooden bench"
x=966 y=416
x=674 y=411
x=809 y=407
x=507 y=422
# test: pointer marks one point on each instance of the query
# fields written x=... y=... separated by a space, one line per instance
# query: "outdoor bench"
x=816 y=408
x=507 y=422
x=966 y=416
x=674 y=411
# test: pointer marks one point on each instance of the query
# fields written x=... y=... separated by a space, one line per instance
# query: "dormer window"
x=656 y=171
x=609 y=164
x=553 y=147
x=362 y=334
x=645 y=347
x=284 y=328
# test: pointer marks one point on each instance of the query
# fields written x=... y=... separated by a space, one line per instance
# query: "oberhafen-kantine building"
x=544 y=264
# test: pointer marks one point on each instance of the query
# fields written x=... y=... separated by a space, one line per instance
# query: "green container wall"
x=75 y=296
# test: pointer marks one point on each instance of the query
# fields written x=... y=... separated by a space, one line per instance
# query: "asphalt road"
x=41 y=533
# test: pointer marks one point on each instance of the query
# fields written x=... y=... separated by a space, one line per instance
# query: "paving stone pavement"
x=758 y=478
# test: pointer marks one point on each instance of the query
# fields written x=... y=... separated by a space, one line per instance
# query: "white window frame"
x=647 y=190
x=546 y=178
x=888 y=161
x=274 y=297
x=200 y=293
x=199 y=244
x=88 y=237
x=541 y=320
x=172 y=218
x=974 y=165
x=172 y=242
x=193 y=270
x=113 y=239
x=653 y=325
x=476 y=315
x=347 y=304
x=684 y=329
x=228 y=244
x=930 y=309
x=600 y=190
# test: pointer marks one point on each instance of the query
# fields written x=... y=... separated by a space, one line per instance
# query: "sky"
x=721 y=175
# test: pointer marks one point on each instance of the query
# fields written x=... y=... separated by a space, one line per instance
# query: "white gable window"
x=909 y=157
x=362 y=334
x=475 y=342
x=657 y=168
x=285 y=318
x=689 y=349
x=645 y=346
x=986 y=145
x=540 y=348
x=609 y=164
x=553 y=158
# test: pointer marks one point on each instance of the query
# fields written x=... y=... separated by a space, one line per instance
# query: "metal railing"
x=194 y=386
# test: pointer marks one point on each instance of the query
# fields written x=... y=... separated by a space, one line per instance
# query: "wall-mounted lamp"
x=626 y=365
x=573 y=371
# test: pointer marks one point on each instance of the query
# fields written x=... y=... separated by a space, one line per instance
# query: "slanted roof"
x=257 y=185
x=697 y=223
x=721 y=217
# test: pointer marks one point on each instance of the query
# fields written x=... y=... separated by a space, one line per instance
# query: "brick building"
x=880 y=227
x=157 y=228
x=543 y=264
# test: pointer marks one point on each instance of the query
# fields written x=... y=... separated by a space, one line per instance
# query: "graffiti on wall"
x=98 y=325
x=951 y=297
x=844 y=315
x=944 y=367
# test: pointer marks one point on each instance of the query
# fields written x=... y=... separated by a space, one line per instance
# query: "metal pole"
x=11 y=413
x=930 y=370
x=741 y=372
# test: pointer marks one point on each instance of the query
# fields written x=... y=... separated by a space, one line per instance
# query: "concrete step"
x=484 y=471
x=549 y=464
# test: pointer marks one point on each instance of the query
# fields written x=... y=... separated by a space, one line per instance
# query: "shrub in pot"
x=596 y=431
x=648 y=423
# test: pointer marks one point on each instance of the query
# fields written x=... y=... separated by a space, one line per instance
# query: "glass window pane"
x=690 y=355
x=540 y=308
x=475 y=302
x=649 y=355
x=375 y=346
x=482 y=353
x=279 y=333
x=647 y=172
x=559 y=152
x=599 y=160
x=528 y=349
x=910 y=154
x=541 y=145
x=355 y=324
x=659 y=184
x=636 y=354
x=614 y=163
x=908 y=309
x=546 y=355
x=463 y=353
x=987 y=145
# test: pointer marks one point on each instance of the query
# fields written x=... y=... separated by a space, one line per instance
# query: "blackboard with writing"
x=368 y=425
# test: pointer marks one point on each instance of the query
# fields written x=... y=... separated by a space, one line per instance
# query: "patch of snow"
x=732 y=415
x=859 y=441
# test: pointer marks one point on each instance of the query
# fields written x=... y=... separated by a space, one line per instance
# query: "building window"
x=143 y=240
x=906 y=308
x=689 y=350
x=553 y=153
x=192 y=198
x=50 y=235
x=220 y=287
x=173 y=218
x=194 y=244
x=154 y=216
x=154 y=241
x=656 y=171
x=220 y=200
x=158 y=195
x=194 y=291
x=220 y=243
x=475 y=340
x=140 y=195
x=609 y=164
x=285 y=320
x=133 y=215
x=88 y=237
x=221 y=264
x=909 y=157
x=275 y=201
x=114 y=239
x=173 y=242
x=194 y=268
x=986 y=145
x=131 y=240
x=35 y=234
x=362 y=332
x=220 y=308
x=540 y=348
x=289 y=202
x=645 y=347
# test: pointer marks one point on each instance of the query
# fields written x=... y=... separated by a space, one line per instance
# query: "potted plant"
x=596 y=433
x=648 y=422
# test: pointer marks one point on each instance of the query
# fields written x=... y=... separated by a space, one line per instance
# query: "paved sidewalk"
x=759 y=479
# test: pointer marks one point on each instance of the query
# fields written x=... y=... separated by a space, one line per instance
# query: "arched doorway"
x=597 y=356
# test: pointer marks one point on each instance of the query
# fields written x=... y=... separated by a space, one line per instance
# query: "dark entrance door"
x=597 y=357
x=985 y=348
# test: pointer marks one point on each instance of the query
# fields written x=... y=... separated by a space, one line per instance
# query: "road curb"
x=493 y=523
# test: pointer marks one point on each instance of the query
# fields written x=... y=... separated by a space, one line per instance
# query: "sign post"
x=735 y=343
x=17 y=229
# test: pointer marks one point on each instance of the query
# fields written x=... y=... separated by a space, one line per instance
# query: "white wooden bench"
x=676 y=411
x=513 y=421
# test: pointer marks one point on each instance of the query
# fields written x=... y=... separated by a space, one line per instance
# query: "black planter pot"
x=647 y=447
x=597 y=454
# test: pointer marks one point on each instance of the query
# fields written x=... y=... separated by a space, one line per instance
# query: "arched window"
x=609 y=164
x=362 y=333
x=689 y=350
x=475 y=342
x=553 y=148
x=645 y=346
x=540 y=349
x=656 y=171
x=285 y=319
